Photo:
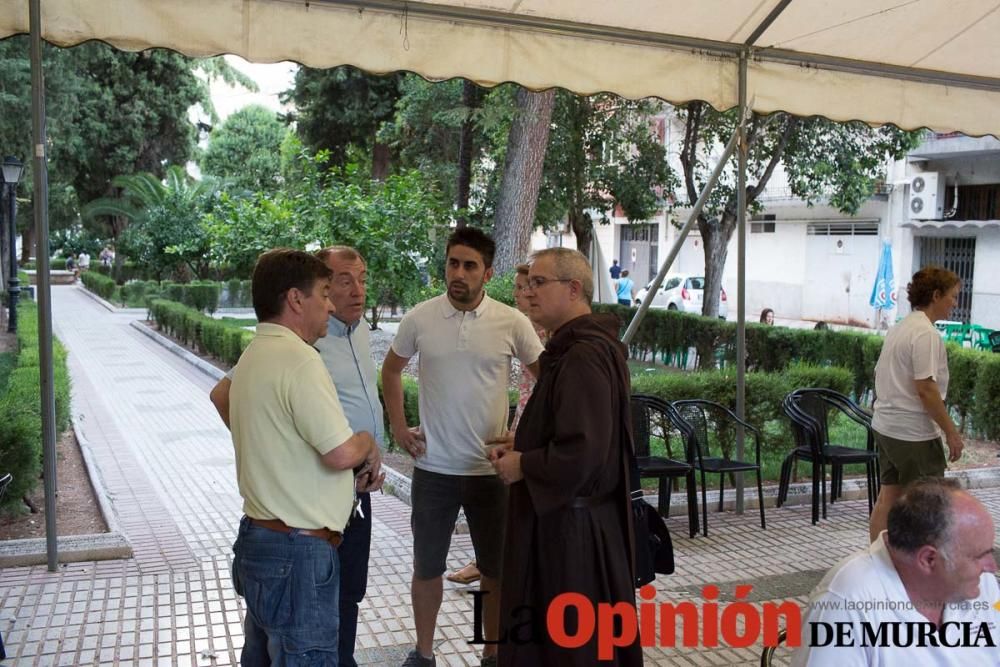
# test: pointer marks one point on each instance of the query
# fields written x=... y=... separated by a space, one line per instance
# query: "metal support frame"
x=741 y=268
x=41 y=206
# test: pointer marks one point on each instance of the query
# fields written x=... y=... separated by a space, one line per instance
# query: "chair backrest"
x=713 y=427
x=652 y=417
x=814 y=405
x=804 y=427
x=995 y=340
x=823 y=404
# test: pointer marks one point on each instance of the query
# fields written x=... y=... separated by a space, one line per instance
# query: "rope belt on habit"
x=325 y=534
x=583 y=502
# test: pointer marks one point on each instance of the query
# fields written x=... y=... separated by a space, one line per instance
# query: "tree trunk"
x=381 y=161
x=470 y=100
x=715 y=235
x=583 y=228
x=522 y=176
x=27 y=243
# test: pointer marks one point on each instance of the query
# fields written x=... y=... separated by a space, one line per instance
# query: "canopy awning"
x=929 y=63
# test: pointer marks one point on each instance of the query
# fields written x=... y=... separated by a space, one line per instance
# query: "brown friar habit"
x=570 y=438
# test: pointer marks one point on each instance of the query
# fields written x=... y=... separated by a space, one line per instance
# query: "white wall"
x=986 y=280
x=968 y=170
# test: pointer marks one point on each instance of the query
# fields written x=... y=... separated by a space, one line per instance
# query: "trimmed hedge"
x=208 y=335
x=238 y=294
x=769 y=348
x=20 y=408
x=985 y=415
x=55 y=264
x=200 y=295
x=764 y=392
x=100 y=285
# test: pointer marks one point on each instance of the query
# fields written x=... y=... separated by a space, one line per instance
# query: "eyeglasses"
x=536 y=282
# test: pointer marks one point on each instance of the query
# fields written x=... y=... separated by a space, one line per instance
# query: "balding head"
x=941 y=539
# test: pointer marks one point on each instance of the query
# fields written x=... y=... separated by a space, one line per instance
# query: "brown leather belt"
x=325 y=534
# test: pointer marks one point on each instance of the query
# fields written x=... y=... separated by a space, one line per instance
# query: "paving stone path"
x=166 y=462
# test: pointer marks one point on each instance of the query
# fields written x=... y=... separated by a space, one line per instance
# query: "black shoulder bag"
x=654 y=551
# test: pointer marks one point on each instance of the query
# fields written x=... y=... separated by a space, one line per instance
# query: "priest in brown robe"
x=568 y=517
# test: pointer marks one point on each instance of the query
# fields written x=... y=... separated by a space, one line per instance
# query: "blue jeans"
x=290 y=583
x=353 y=553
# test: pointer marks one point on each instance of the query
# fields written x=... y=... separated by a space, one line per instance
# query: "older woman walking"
x=911 y=383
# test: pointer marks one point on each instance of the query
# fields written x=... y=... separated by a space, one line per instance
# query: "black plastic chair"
x=714 y=454
x=767 y=655
x=654 y=417
x=809 y=411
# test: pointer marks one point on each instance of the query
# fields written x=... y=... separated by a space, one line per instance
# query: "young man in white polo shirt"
x=466 y=341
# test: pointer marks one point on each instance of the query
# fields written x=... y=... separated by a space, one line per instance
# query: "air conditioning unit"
x=926 y=196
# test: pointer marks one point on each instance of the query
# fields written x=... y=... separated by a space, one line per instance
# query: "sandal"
x=467 y=575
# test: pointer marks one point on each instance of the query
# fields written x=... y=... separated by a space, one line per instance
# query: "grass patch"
x=239 y=322
x=7 y=362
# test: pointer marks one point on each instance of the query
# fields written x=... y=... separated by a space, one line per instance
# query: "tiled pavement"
x=167 y=464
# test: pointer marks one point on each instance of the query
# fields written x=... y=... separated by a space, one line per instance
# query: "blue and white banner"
x=884 y=291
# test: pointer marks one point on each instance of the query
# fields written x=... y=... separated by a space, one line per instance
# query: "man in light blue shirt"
x=346 y=351
x=625 y=288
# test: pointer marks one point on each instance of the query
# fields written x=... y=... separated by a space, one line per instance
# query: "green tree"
x=108 y=112
x=603 y=153
x=835 y=162
x=343 y=107
x=241 y=228
x=245 y=151
x=165 y=233
x=389 y=222
x=442 y=129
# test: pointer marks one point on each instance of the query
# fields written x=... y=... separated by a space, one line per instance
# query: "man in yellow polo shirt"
x=294 y=458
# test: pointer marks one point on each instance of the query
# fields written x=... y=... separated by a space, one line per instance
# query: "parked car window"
x=696 y=283
x=671 y=284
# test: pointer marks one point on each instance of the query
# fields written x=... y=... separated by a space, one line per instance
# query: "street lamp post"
x=11 y=169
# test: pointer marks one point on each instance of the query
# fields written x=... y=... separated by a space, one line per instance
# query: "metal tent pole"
x=741 y=270
x=41 y=205
x=633 y=326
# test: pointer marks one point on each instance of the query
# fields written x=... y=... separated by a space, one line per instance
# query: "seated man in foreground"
x=921 y=594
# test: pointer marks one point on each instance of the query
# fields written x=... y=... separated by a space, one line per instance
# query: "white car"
x=684 y=293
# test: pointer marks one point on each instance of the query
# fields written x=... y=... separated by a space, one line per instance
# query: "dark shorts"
x=436 y=499
x=625 y=302
x=905 y=461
